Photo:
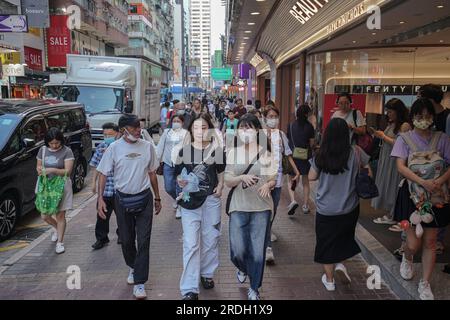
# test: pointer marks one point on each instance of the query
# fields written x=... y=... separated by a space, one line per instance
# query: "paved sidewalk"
x=41 y=273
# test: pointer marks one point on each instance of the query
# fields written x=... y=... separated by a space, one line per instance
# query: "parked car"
x=23 y=125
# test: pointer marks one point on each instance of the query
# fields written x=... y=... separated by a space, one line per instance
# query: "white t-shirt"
x=360 y=121
x=277 y=151
x=131 y=163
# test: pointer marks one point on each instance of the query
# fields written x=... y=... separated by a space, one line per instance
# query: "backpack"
x=428 y=165
x=365 y=141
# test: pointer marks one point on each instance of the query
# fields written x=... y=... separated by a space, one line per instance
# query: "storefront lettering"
x=346 y=18
x=304 y=10
x=384 y=89
x=59 y=41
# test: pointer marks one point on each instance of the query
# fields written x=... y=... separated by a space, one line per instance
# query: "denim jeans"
x=170 y=181
x=248 y=243
x=201 y=232
x=276 y=195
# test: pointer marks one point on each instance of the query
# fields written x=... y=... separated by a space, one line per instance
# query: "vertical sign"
x=58 y=41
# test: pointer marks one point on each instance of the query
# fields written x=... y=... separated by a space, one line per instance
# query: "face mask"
x=181 y=112
x=272 y=123
x=176 y=125
x=131 y=137
x=109 y=140
x=248 y=136
x=422 y=124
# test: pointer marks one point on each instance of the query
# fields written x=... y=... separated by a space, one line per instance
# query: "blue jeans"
x=276 y=195
x=248 y=243
x=170 y=181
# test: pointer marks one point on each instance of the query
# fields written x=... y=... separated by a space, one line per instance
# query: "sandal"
x=384 y=220
x=395 y=228
x=208 y=283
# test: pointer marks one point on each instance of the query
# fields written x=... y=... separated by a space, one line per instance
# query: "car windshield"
x=8 y=123
x=95 y=99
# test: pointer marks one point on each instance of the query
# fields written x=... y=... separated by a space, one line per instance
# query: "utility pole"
x=183 y=51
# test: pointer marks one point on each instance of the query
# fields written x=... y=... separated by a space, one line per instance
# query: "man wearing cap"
x=133 y=163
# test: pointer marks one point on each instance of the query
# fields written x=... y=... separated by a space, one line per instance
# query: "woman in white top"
x=168 y=148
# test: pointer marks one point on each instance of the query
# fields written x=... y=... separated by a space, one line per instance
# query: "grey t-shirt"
x=336 y=194
x=55 y=159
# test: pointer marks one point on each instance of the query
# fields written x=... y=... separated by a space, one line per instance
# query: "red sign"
x=58 y=41
x=330 y=106
x=33 y=58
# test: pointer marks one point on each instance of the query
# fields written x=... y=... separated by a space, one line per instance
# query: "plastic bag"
x=192 y=185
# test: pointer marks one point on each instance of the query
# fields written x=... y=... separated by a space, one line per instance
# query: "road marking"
x=20 y=244
x=32 y=226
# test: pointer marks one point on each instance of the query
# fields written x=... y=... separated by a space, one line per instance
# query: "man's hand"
x=101 y=208
x=218 y=191
x=249 y=180
x=158 y=206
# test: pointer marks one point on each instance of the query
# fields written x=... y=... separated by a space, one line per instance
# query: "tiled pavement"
x=41 y=274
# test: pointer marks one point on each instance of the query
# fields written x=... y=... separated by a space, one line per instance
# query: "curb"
x=19 y=255
x=376 y=254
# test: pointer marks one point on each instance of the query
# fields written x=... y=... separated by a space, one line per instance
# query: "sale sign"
x=33 y=58
x=330 y=106
x=58 y=41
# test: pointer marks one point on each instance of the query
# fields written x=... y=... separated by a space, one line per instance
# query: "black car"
x=23 y=125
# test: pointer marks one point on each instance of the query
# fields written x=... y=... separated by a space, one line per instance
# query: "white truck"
x=109 y=87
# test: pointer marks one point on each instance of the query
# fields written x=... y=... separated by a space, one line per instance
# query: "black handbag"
x=365 y=185
x=134 y=203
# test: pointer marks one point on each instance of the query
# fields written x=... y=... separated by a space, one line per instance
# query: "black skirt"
x=335 y=237
x=404 y=207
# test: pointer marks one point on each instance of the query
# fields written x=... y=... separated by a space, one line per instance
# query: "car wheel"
x=78 y=176
x=9 y=215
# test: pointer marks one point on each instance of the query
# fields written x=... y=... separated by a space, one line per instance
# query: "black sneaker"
x=208 y=283
x=99 y=244
x=190 y=296
x=446 y=268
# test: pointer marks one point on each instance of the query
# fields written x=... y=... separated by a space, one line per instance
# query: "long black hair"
x=54 y=134
x=334 y=151
x=401 y=111
x=302 y=114
x=203 y=116
x=419 y=106
x=253 y=122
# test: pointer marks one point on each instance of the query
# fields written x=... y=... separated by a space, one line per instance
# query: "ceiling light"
x=374 y=33
x=402 y=22
x=354 y=41
x=251 y=23
x=248 y=31
x=255 y=13
x=243 y=43
x=246 y=38
x=440 y=6
x=441 y=41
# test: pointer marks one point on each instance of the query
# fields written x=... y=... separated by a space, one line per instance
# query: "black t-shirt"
x=206 y=164
x=299 y=135
x=440 y=121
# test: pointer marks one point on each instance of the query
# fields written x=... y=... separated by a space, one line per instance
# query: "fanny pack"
x=134 y=203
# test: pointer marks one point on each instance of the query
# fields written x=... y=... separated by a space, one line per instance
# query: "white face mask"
x=248 y=136
x=272 y=123
x=131 y=137
x=176 y=125
x=422 y=124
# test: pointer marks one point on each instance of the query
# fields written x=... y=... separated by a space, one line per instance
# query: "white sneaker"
x=178 y=214
x=54 y=235
x=139 y=292
x=59 y=247
x=273 y=237
x=130 y=279
x=269 y=255
x=305 y=209
x=253 y=295
x=241 y=276
x=342 y=274
x=330 y=286
x=175 y=205
x=406 y=268
x=425 y=290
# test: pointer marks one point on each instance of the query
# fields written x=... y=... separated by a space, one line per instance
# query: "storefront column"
x=286 y=94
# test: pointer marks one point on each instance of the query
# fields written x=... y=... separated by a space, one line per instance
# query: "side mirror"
x=129 y=107
x=29 y=142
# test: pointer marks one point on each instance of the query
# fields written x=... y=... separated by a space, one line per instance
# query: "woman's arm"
x=68 y=166
x=294 y=166
x=429 y=185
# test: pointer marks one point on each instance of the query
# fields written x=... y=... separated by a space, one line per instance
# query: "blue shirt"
x=98 y=154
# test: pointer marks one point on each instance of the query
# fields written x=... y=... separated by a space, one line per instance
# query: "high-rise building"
x=200 y=29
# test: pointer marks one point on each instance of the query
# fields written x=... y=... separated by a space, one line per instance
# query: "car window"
x=35 y=130
x=14 y=146
x=60 y=120
x=78 y=119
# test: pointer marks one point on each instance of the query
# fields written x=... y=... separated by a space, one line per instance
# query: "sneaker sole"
x=140 y=298
x=342 y=277
x=291 y=212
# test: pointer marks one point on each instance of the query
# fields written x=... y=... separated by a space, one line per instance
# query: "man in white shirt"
x=133 y=163
x=346 y=112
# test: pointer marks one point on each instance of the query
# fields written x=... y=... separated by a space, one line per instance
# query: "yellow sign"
x=10 y=58
x=35 y=31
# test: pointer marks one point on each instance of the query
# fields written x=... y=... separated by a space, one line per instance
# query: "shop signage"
x=33 y=58
x=221 y=73
x=13 y=23
x=36 y=12
x=10 y=58
x=303 y=10
x=347 y=18
x=385 y=89
x=13 y=70
x=58 y=41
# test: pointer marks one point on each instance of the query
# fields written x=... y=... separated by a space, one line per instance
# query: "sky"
x=217 y=24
